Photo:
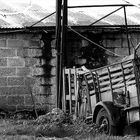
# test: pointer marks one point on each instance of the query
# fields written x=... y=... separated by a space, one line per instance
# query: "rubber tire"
x=112 y=130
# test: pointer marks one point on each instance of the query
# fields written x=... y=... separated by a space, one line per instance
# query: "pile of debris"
x=59 y=124
x=53 y=124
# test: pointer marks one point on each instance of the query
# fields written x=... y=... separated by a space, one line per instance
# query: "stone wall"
x=117 y=43
x=25 y=69
x=112 y=40
x=28 y=65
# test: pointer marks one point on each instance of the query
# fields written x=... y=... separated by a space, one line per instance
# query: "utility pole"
x=61 y=29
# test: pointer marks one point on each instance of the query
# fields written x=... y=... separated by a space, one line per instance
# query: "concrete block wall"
x=117 y=43
x=23 y=67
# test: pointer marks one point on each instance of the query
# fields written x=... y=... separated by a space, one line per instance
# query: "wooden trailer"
x=109 y=95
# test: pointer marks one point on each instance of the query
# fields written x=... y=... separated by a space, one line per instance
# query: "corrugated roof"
x=15 y=14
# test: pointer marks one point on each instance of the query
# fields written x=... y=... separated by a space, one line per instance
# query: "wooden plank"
x=117 y=86
x=64 y=92
x=70 y=96
x=88 y=106
x=89 y=76
x=105 y=71
x=104 y=78
x=111 y=86
x=72 y=84
x=92 y=92
x=115 y=75
x=90 y=81
x=76 y=93
x=126 y=71
x=106 y=96
x=72 y=90
x=114 y=80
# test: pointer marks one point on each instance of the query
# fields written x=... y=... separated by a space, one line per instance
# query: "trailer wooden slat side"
x=102 y=84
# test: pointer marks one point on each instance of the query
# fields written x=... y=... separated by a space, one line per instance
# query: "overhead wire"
x=93 y=42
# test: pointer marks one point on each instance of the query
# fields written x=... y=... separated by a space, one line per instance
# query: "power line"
x=93 y=42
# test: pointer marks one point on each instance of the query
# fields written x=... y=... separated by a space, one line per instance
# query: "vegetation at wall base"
x=55 y=124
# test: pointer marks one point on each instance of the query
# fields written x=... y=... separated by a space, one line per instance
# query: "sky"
x=25 y=6
x=50 y=4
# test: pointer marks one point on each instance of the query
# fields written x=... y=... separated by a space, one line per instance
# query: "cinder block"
x=16 y=62
x=22 y=53
x=53 y=62
x=114 y=43
x=35 y=43
x=37 y=71
x=16 y=43
x=11 y=108
x=53 y=71
x=41 y=99
x=37 y=90
x=31 y=62
x=3 y=62
x=3 y=101
x=29 y=100
x=104 y=42
x=124 y=43
x=7 y=72
x=123 y=51
x=51 y=99
x=2 y=43
x=3 y=81
x=41 y=43
x=53 y=43
x=18 y=90
x=51 y=80
x=53 y=89
x=54 y=52
x=16 y=81
x=29 y=81
x=7 y=52
x=24 y=107
x=38 y=81
x=15 y=100
x=113 y=59
x=34 y=52
x=85 y=43
x=23 y=71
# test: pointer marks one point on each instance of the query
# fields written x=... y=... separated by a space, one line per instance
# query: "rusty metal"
x=107 y=5
x=125 y=17
x=106 y=16
x=62 y=47
x=58 y=39
x=42 y=19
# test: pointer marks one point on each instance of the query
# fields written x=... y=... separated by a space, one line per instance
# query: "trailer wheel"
x=104 y=122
